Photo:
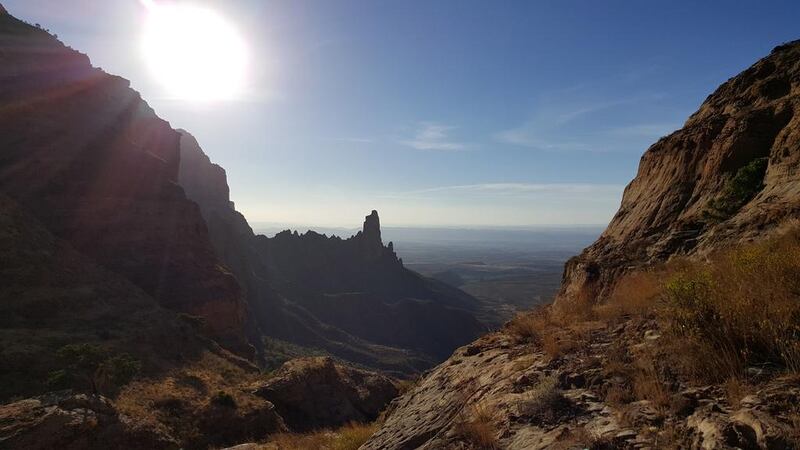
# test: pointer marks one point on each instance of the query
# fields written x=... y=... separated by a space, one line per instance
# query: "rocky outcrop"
x=315 y=393
x=84 y=154
x=371 y=240
x=499 y=393
x=350 y=297
x=683 y=202
x=73 y=421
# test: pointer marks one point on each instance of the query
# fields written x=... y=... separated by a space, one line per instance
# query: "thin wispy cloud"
x=647 y=130
x=560 y=124
x=354 y=140
x=434 y=136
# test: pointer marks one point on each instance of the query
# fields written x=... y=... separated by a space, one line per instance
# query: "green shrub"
x=741 y=308
x=748 y=181
x=120 y=369
x=89 y=366
x=224 y=400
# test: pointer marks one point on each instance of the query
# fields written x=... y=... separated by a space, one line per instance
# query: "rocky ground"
x=501 y=392
x=73 y=421
x=170 y=413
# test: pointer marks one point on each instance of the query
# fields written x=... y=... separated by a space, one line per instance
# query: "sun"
x=194 y=52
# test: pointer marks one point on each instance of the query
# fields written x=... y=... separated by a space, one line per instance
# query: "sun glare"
x=194 y=52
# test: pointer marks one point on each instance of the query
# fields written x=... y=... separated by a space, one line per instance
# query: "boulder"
x=313 y=393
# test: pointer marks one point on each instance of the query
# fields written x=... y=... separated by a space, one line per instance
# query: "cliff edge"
x=729 y=175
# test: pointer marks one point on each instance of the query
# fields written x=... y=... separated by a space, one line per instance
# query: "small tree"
x=90 y=365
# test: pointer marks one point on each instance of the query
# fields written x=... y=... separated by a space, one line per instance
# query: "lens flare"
x=194 y=52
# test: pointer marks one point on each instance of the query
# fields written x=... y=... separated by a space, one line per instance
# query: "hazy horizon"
x=450 y=113
x=302 y=227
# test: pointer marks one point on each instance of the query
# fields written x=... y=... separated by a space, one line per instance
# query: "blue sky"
x=468 y=113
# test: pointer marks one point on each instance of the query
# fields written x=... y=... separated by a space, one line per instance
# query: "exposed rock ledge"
x=504 y=379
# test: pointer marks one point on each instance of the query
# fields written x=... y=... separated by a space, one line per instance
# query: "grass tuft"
x=478 y=429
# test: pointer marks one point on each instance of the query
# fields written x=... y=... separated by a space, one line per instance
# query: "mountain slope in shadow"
x=349 y=297
x=84 y=154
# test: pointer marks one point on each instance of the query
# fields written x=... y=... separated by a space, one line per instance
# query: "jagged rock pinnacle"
x=372 y=228
x=372 y=245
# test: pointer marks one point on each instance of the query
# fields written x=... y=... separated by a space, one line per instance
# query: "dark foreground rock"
x=313 y=393
x=73 y=421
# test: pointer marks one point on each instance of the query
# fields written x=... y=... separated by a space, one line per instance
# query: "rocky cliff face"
x=349 y=297
x=204 y=182
x=691 y=193
x=730 y=175
x=84 y=154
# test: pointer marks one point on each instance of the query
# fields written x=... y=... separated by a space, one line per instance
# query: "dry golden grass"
x=556 y=343
x=569 y=311
x=349 y=437
x=172 y=402
x=529 y=326
x=580 y=438
x=544 y=402
x=554 y=334
x=619 y=395
x=635 y=294
x=739 y=309
x=648 y=385
x=717 y=317
x=478 y=429
x=736 y=390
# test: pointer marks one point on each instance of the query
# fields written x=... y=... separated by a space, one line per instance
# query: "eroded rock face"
x=664 y=210
x=84 y=154
x=313 y=393
x=73 y=421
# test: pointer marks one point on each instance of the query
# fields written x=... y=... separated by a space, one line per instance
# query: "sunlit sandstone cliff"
x=668 y=209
